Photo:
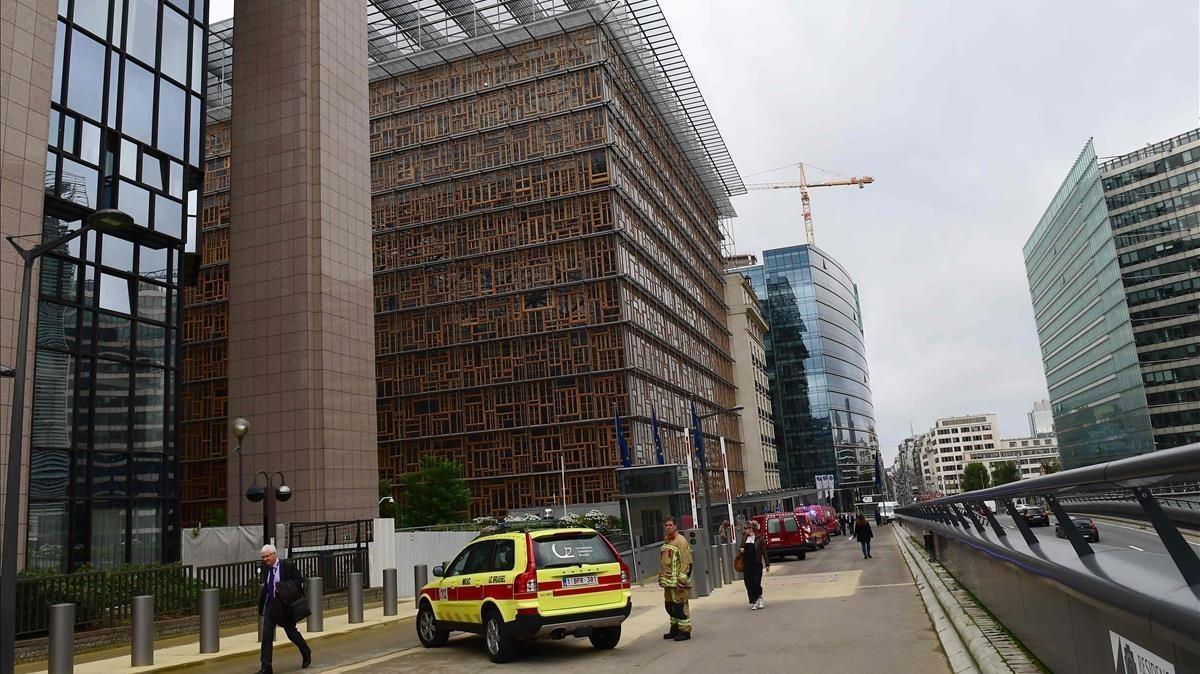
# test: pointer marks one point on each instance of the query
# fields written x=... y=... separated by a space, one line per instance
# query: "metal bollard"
x=316 y=604
x=142 y=649
x=354 y=598
x=210 y=620
x=62 y=639
x=389 y=592
x=733 y=553
x=727 y=559
x=700 y=586
x=715 y=570
x=420 y=578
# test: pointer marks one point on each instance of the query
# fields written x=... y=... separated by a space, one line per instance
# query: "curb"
x=981 y=649
x=957 y=652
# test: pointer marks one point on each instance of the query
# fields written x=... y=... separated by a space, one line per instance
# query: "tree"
x=975 y=476
x=216 y=517
x=436 y=494
x=1005 y=472
x=1051 y=466
x=386 y=508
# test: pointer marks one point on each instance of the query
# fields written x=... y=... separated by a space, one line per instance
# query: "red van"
x=783 y=534
x=831 y=520
x=814 y=528
x=825 y=515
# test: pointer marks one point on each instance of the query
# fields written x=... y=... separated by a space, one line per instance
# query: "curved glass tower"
x=816 y=358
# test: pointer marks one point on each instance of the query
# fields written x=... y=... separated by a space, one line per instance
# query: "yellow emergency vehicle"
x=528 y=581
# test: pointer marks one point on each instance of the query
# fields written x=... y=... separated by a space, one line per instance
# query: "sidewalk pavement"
x=188 y=654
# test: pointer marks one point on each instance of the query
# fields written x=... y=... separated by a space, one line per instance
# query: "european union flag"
x=625 y=460
x=658 y=448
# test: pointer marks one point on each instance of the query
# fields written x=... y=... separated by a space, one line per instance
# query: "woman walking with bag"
x=862 y=533
x=753 y=556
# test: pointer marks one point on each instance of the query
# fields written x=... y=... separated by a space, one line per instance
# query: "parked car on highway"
x=528 y=581
x=1036 y=517
x=814 y=528
x=1086 y=527
x=784 y=535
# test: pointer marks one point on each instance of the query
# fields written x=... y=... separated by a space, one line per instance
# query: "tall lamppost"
x=257 y=493
x=241 y=428
x=107 y=221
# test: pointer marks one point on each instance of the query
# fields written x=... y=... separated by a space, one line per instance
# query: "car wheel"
x=801 y=555
x=604 y=638
x=428 y=632
x=501 y=647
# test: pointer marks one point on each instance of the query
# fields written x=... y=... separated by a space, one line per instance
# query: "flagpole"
x=728 y=493
x=562 y=465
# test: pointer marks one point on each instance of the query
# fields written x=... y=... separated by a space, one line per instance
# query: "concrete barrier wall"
x=1066 y=629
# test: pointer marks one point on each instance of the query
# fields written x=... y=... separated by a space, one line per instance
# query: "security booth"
x=649 y=494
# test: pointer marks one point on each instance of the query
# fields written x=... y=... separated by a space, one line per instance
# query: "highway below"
x=1113 y=534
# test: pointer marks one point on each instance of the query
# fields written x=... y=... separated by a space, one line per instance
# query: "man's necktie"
x=271 y=583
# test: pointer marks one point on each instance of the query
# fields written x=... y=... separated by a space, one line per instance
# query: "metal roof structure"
x=407 y=35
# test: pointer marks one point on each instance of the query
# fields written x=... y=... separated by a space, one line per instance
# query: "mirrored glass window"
x=114 y=293
x=151 y=344
x=114 y=88
x=78 y=183
x=93 y=16
x=138 y=98
x=152 y=262
x=171 y=101
x=143 y=30
x=175 y=45
x=47 y=544
x=85 y=83
x=197 y=58
x=114 y=336
x=135 y=201
x=152 y=301
x=129 y=157
x=168 y=216
x=146 y=537
x=89 y=142
x=152 y=171
x=117 y=253
x=196 y=151
x=60 y=45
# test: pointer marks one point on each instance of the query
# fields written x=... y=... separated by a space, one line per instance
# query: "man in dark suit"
x=274 y=572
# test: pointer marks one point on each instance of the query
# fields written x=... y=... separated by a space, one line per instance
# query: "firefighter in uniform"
x=675 y=577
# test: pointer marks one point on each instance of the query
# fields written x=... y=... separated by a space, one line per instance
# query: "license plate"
x=578 y=581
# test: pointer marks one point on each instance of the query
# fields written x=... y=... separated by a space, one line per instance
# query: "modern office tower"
x=103 y=106
x=1041 y=419
x=547 y=204
x=1153 y=201
x=950 y=445
x=1113 y=272
x=816 y=358
x=747 y=329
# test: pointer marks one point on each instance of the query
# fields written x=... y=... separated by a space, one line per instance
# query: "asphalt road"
x=1112 y=534
x=833 y=612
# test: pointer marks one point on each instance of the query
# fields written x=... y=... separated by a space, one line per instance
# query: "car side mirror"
x=437 y=571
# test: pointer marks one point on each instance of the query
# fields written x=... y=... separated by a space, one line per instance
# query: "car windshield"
x=571 y=550
x=789 y=524
x=773 y=526
x=1083 y=523
x=1034 y=511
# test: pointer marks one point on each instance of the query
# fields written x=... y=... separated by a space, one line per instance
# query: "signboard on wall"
x=1130 y=658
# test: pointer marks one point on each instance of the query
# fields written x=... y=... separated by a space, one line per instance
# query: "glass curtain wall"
x=126 y=112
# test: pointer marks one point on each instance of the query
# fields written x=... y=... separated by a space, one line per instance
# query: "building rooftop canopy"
x=407 y=35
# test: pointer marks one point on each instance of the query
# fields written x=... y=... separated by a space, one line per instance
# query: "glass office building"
x=1083 y=323
x=816 y=360
x=126 y=108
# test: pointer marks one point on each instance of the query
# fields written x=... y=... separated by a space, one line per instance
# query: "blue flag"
x=699 y=438
x=658 y=448
x=625 y=460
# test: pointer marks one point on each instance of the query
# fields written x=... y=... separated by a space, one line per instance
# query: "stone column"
x=26 y=73
x=301 y=320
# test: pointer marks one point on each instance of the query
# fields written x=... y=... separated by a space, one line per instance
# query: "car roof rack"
x=525 y=526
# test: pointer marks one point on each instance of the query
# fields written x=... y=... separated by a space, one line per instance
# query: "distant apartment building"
x=1030 y=454
x=1041 y=419
x=546 y=207
x=816 y=358
x=747 y=330
x=904 y=471
x=1114 y=276
x=949 y=447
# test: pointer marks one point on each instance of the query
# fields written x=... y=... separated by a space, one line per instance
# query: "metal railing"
x=350 y=533
x=1134 y=478
x=105 y=598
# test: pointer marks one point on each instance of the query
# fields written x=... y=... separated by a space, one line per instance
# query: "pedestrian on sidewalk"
x=842 y=524
x=675 y=578
x=754 y=560
x=282 y=583
x=862 y=533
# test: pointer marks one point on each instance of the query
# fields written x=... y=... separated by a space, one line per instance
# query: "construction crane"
x=803 y=186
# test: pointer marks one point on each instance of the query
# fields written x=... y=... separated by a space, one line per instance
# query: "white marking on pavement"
x=373 y=661
x=1137 y=548
x=1107 y=523
x=887 y=585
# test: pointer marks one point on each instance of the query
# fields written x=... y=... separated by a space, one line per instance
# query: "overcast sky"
x=968 y=115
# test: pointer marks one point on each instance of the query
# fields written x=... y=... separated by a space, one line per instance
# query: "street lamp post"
x=107 y=221
x=241 y=428
x=257 y=493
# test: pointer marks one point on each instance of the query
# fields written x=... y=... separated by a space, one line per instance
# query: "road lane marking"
x=863 y=587
x=373 y=661
x=1109 y=523
x=1137 y=548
